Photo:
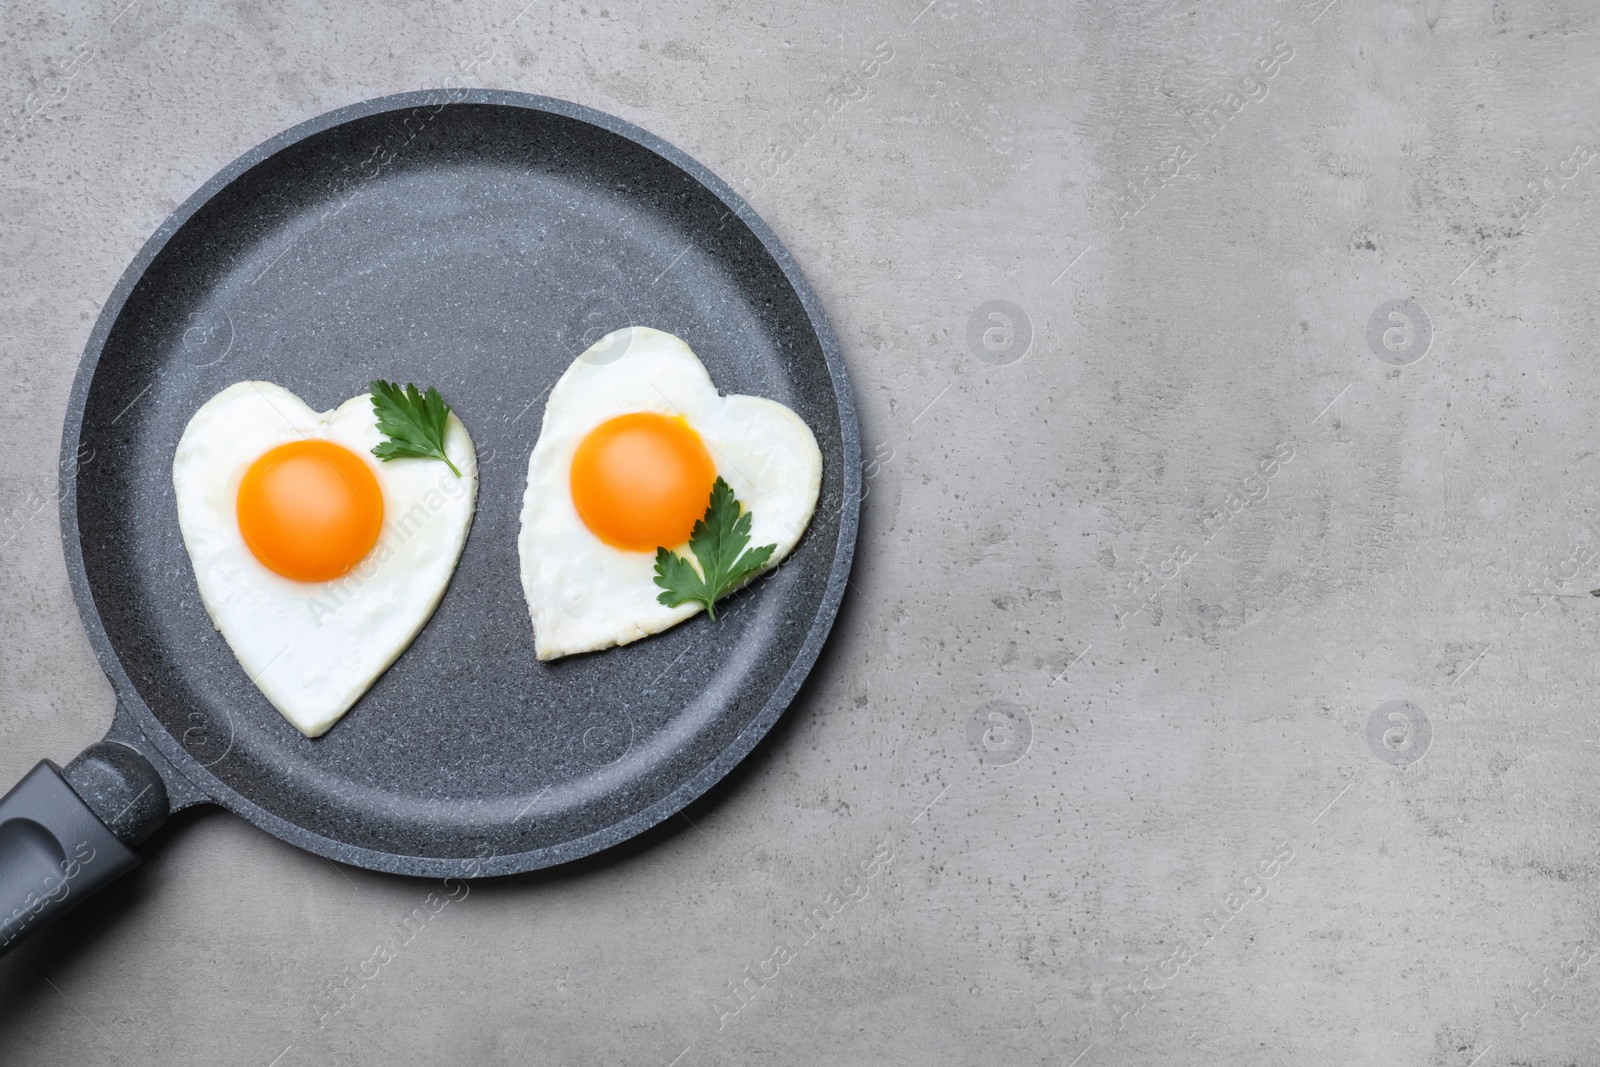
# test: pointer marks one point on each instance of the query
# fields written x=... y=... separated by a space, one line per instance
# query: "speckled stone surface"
x=1200 y=696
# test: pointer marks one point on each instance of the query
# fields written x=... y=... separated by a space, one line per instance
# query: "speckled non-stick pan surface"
x=477 y=241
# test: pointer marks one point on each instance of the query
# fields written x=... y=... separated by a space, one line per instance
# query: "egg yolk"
x=310 y=509
x=640 y=481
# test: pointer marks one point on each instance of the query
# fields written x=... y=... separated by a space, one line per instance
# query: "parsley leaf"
x=718 y=542
x=414 y=422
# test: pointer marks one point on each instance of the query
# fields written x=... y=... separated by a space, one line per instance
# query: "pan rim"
x=212 y=788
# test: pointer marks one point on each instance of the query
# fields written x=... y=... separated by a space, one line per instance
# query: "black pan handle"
x=67 y=834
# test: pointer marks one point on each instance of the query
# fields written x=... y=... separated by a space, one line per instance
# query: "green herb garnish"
x=718 y=542
x=415 y=422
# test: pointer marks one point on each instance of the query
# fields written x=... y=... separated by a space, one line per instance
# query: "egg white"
x=586 y=595
x=314 y=647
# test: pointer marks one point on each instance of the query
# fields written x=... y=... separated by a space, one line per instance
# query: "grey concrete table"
x=1229 y=393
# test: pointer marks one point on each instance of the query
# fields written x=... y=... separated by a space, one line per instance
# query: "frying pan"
x=477 y=241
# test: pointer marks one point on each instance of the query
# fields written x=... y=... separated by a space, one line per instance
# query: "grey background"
x=1098 y=539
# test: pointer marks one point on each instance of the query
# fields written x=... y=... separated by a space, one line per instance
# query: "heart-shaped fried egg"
x=634 y=437
x=317 y=562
